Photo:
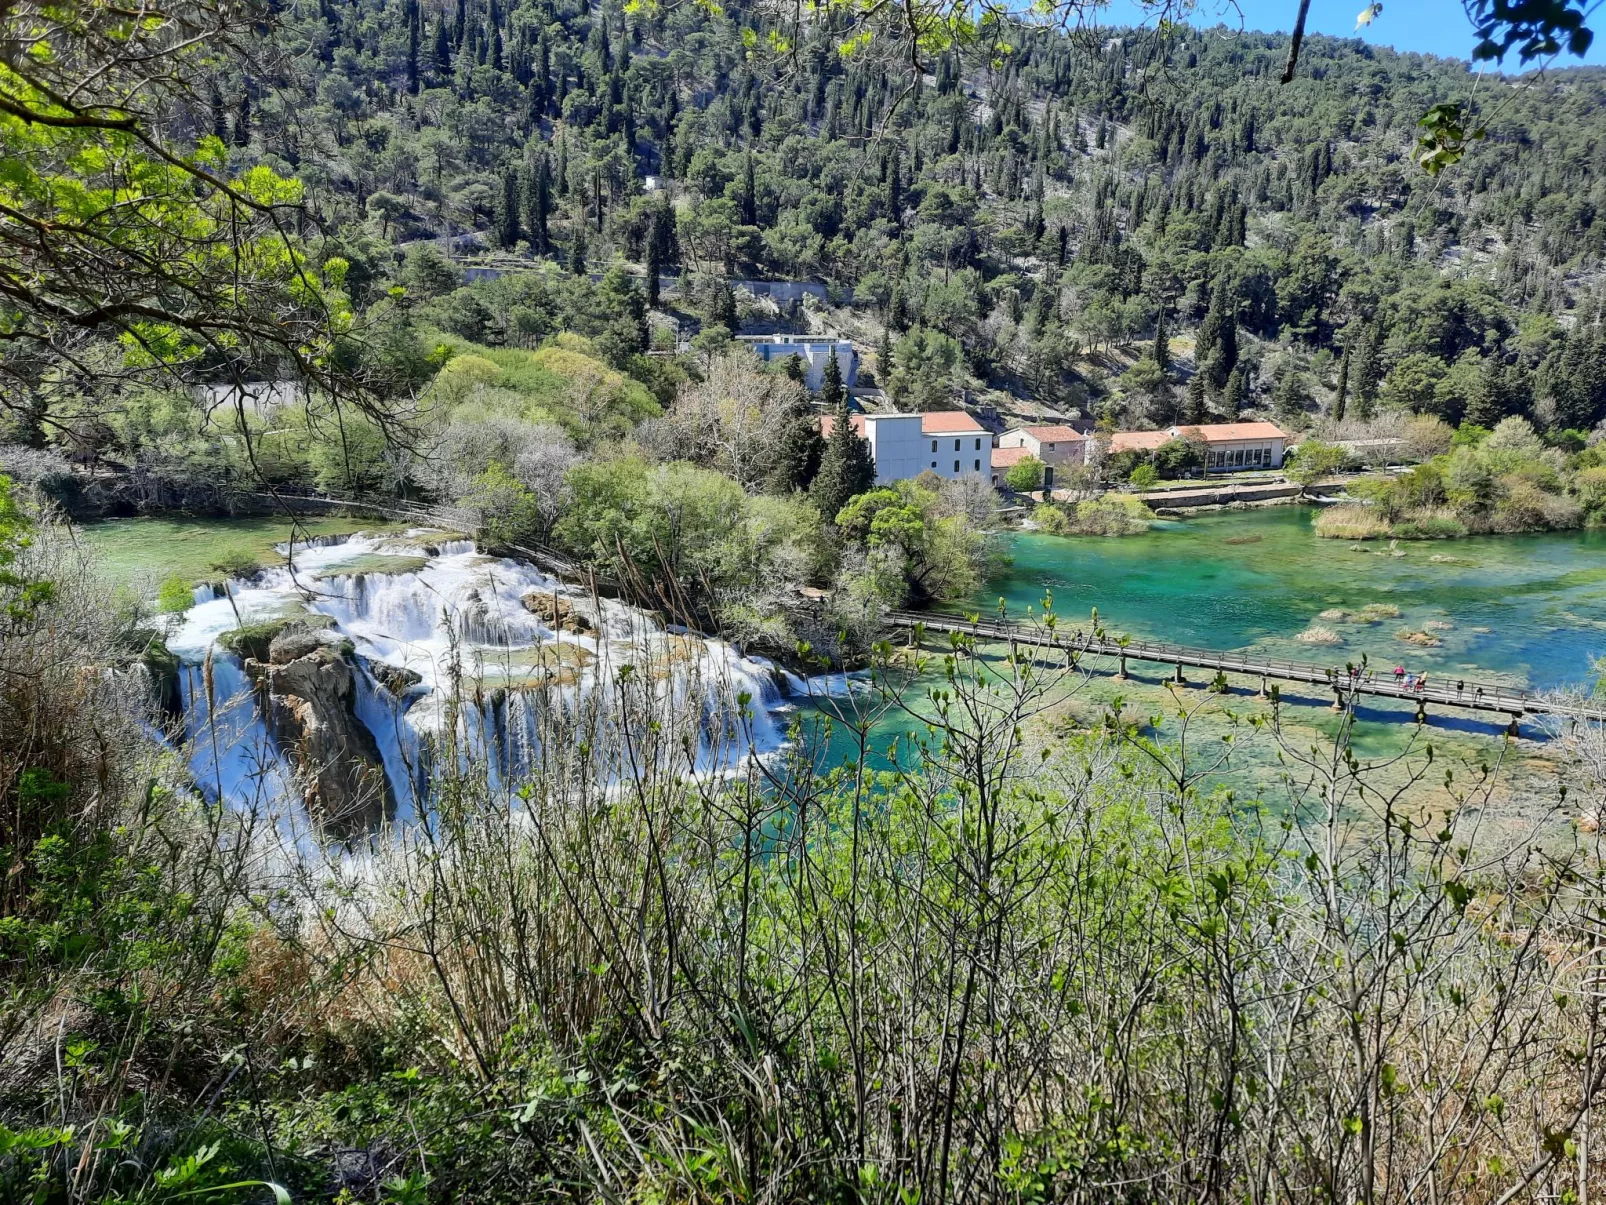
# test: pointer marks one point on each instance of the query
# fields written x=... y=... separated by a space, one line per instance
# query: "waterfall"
x=451 y=614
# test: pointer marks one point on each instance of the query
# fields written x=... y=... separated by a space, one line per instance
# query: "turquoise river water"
x=1528 y=609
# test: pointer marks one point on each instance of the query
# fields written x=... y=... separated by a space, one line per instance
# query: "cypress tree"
x=749 y=192
x=537 y=203
x=242 y=119
x=1368 y=369
x=846 y=468
x=898 y=309
x=1343 y=386
x=1217 y=348
x=577 y=250
x=220 y=123
x=722 y=307
x=1162 y=342
x=1492 y=400
x=833 y=395
x=507 y=211
x=442 y=57
x=1195 y=412
x=799 y=450
x=1235 y=393
x=412 y=50
x=654 y=264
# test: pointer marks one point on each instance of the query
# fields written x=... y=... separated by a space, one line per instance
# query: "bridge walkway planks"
x=1462 y=693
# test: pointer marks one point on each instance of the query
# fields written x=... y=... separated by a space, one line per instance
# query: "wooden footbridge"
x=1341 y=680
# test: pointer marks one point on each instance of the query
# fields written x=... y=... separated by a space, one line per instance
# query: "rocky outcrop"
x=558 y=613
x=397 y=679
x=309 y=684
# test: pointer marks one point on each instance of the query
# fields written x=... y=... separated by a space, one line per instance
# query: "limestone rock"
x=558 y=612
x=310 y=688
x=397 y=679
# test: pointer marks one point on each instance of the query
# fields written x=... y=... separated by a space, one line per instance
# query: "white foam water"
x=457 y=619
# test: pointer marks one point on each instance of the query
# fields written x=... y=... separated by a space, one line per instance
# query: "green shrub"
x=175 y=596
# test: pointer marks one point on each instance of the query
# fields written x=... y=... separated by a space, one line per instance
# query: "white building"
x=1057 y=445
x=813 y=350
x=950 y=444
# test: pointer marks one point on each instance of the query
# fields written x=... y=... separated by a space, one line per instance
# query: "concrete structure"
x=948 y=443
x=1057 y=445
x=1228 y=446
x=813 y=350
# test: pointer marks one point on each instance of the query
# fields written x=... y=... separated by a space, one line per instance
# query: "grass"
x=1351 y=522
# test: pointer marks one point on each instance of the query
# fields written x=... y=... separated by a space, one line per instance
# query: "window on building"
x=934 y=448
x=1050 y=447
x=956 y=466
x=978 y=466
x=933 y=464
x=956 y=445
x=978 y=445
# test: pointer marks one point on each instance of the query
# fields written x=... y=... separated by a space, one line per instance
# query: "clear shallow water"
x=1522 y=608
x=142 y=552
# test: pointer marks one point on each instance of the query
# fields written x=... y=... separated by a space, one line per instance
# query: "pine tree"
x=833 y=396
x=507 y=211
x=577 y=250
x=846 y=468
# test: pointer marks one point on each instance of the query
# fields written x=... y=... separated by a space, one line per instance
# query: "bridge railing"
x=1470 y=693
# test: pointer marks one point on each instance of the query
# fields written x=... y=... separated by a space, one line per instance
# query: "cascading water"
x=438 y=630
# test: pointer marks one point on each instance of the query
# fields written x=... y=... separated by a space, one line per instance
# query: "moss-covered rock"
x=254 y=641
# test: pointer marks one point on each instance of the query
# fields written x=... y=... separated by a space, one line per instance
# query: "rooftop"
x=1003 y=458
x=1053 y=434
x=949 y=422
x=933 y=422
x=1138 y=441
x=1218 y=432
x=1210 y=433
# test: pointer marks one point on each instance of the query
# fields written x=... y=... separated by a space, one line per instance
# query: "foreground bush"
x=1005 y=966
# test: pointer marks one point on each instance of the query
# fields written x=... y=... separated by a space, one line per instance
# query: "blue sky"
x=1429 y=26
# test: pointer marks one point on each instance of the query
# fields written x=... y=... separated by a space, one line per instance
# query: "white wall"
x=895 y=443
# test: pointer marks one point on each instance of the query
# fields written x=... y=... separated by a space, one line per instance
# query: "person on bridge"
x=1421 y=683
x=1399 y=674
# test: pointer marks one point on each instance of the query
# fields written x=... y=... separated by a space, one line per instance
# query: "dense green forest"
x=1077 y=198
x=477 y=257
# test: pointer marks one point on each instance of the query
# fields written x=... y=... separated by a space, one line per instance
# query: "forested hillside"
x=1060 y=202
